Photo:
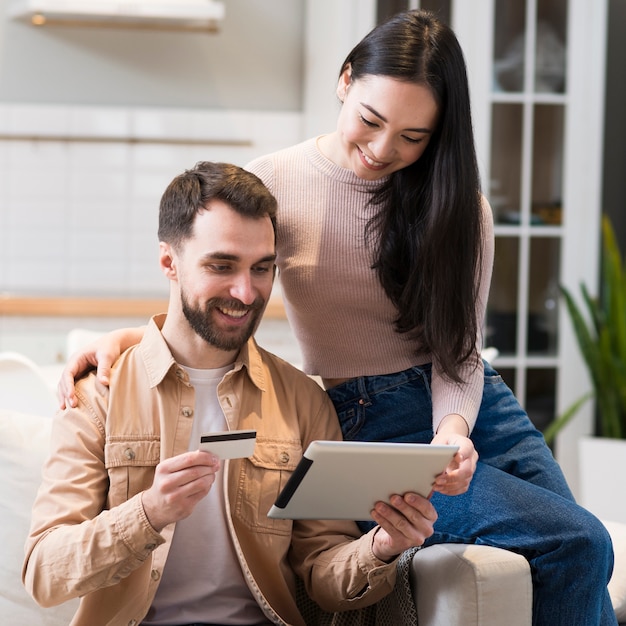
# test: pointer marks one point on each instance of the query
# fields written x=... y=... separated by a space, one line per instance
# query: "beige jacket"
x=90 y=536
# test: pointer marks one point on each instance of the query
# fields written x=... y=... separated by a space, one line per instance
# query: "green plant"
x=601 y=337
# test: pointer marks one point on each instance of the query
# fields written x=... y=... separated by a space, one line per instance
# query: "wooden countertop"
x=35 y=306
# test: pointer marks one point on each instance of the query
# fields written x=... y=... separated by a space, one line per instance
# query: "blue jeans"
x=518 y=499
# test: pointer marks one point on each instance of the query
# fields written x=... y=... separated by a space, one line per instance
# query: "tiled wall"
x=80 y=186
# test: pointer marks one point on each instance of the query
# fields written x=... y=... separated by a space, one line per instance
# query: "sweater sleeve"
x=465 y=398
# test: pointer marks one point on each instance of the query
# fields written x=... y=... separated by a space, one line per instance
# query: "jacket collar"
x=158 y=359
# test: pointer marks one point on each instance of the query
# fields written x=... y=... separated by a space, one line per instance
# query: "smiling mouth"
x=236 y=313
x=371 y=162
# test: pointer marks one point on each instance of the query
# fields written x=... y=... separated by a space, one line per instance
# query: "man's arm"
x=87 y=532
x=341 y=568
x=70 y=514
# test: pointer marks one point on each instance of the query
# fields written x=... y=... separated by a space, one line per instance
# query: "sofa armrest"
x=472 y=585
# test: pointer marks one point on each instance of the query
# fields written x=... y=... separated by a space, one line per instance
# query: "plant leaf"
x=601 y=338
x=550 y=432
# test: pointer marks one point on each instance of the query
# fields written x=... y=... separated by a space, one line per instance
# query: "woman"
x=385 y=247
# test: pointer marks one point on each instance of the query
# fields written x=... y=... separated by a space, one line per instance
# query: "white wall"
x=95 y=121
x=255 y=61
x=80 y=188
x=333 y=27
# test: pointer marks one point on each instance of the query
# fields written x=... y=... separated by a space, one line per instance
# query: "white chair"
x=490 y=354
x=78 y=338
x=24 y=387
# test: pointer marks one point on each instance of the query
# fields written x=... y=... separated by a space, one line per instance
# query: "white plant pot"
x=603 y=477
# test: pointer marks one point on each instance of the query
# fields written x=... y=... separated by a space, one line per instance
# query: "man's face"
x=225 y=274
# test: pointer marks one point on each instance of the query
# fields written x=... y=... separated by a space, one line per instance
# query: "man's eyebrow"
x=270 y=258
x=373 y=111
x=228 y=256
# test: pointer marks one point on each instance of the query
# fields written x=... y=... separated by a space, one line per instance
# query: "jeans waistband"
x=365 y=386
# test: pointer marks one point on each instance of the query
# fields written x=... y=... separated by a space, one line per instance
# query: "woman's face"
x=384 y=125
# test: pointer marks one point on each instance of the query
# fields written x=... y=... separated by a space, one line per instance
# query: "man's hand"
x=180 y=482
x=405 y=522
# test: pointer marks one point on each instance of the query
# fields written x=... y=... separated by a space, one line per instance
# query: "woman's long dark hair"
x=428 y=229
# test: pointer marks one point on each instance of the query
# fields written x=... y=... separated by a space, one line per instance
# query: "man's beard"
x=201 y=321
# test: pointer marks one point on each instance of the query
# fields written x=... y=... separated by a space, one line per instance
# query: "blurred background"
x=96 y=117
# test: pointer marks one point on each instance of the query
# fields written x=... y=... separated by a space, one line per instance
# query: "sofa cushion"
x=24 y=441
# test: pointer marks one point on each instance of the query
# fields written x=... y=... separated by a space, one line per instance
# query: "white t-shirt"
x=202 y=579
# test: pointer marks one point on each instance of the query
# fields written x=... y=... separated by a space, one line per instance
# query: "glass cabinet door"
x=537 y=80
x=526 y=97
x=525 y=189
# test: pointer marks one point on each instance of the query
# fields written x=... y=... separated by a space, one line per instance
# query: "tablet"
x=344 y=479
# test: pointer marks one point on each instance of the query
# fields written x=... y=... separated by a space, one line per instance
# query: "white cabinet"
x=537 y=72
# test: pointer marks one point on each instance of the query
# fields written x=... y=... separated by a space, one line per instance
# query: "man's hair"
x=190 y=192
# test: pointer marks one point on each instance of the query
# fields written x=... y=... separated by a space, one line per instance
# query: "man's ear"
x=167 y=260
x=344 y=82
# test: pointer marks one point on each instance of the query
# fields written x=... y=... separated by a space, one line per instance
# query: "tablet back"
x=343 y=479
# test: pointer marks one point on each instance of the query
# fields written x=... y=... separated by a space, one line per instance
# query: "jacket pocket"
x=262 y=478
x=130 y=464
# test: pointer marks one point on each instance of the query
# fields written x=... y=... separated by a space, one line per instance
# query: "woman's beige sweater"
x=339 y=312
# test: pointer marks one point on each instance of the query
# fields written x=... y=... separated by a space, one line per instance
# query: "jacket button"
x=284 y=457
x=150 y=546
x=129 y=453
x=154 y=574
x=187 y=411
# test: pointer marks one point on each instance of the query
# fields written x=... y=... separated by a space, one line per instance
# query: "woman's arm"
x=101 y=354
x=455 y=407
x=453 y=430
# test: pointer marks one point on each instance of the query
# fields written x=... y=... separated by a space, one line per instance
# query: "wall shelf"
x=202 y=15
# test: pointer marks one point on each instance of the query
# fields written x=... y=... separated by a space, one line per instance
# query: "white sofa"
x=454 y=584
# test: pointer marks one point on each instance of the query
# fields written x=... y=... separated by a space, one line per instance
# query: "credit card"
x=230 y=444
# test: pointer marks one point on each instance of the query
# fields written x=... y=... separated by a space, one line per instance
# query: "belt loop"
x=364 y=399
x=425 y=373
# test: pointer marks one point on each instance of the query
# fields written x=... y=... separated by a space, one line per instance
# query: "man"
x=140 y=523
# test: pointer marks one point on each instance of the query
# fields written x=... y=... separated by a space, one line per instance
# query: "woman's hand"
x=458 y=475
x=101 y=354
